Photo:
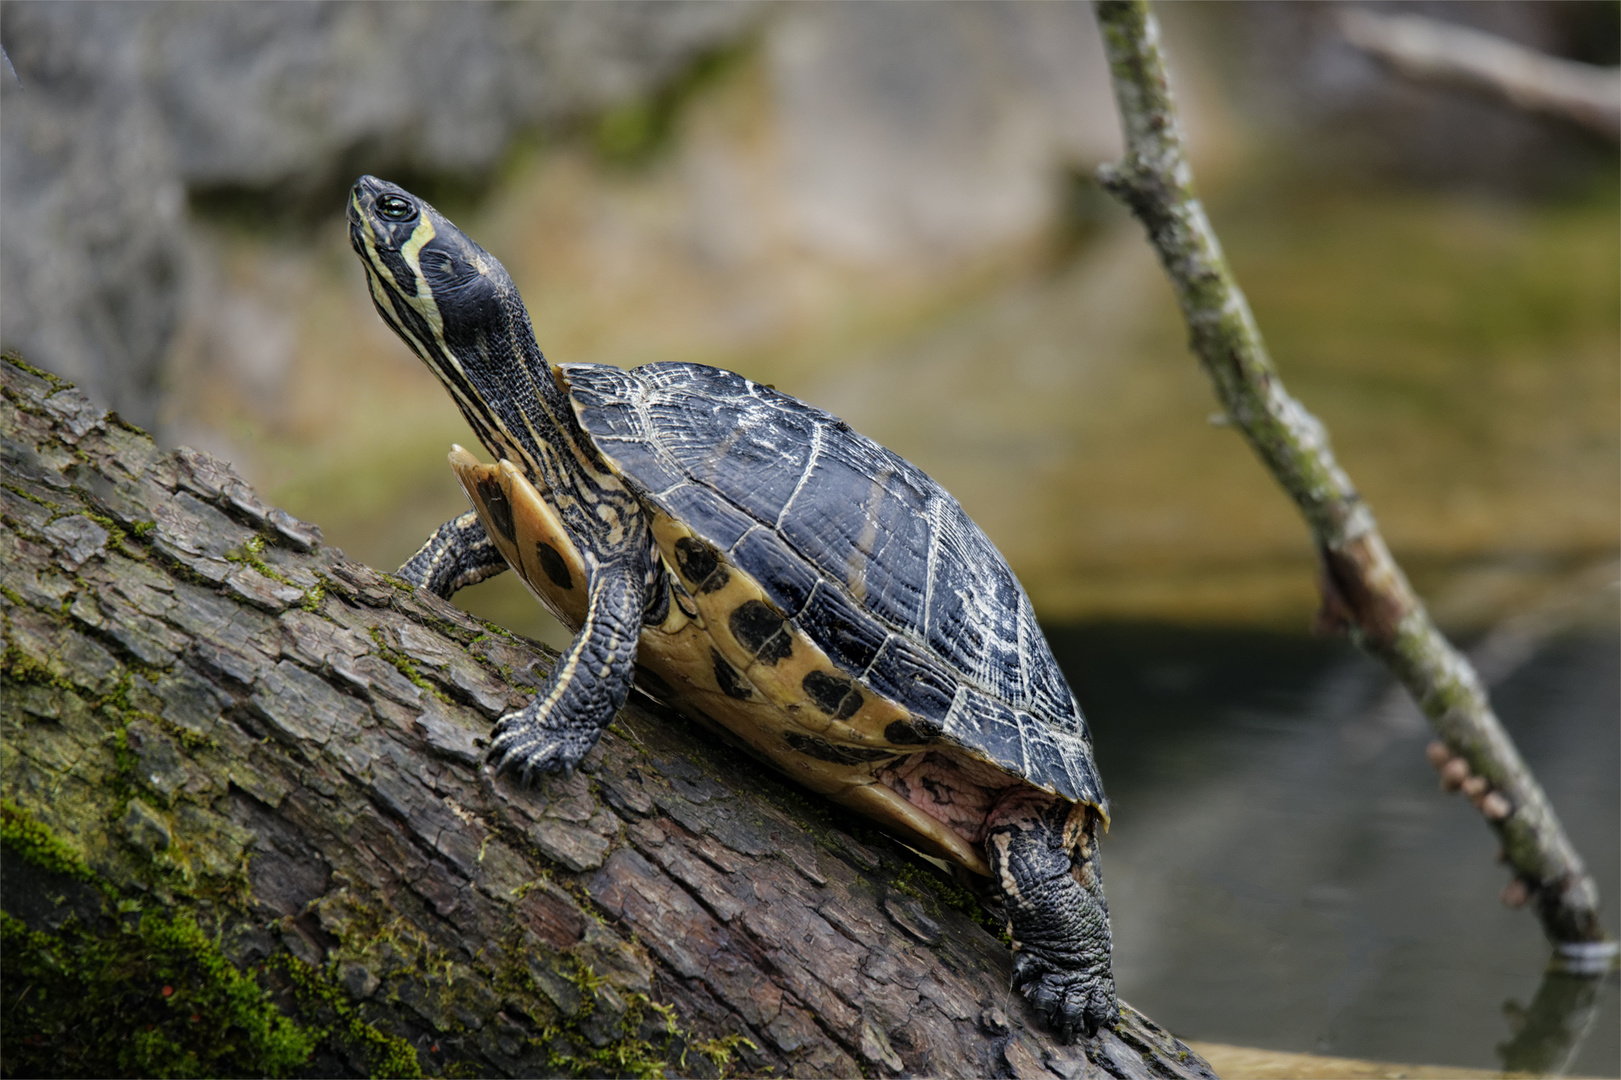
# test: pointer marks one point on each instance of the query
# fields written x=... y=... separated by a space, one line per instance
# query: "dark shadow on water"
x=1550 y=1033
x=1284 y=872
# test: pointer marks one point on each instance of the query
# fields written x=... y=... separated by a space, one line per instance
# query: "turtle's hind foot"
x=1042 y=854
x=1069 y=1002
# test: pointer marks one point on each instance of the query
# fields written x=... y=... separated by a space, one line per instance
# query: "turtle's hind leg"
x=458 y=554
x=589 y=682
x=1043 y=856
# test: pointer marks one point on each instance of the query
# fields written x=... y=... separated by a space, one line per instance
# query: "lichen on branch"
x=1364 y=591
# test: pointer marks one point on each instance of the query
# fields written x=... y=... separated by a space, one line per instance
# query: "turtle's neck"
x=517 y=405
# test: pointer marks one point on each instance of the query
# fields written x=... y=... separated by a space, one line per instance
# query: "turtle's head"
x=447 y=298
x=442 y=293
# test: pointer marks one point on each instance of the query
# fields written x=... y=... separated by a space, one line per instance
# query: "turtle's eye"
x=395 y=207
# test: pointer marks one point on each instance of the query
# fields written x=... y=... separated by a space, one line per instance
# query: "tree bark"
x=219 y=714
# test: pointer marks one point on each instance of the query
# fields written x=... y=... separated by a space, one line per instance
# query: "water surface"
x=1283 y=871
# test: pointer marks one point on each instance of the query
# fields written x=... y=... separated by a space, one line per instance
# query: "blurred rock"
x=904 y=133
x=290 y=97
x=909 y=139
x=118 y=111
x=912 y=130
x=90 y=252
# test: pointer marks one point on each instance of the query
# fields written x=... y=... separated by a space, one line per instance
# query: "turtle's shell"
x=858 y=551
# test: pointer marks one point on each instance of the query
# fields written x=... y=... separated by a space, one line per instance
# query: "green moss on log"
x=320 y=995
x=148 y=995
x=26 y=838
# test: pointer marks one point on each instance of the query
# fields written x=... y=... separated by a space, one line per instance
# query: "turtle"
x=761 y=567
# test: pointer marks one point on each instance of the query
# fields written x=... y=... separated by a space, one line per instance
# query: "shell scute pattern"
x=865 y=555
x=699 y=564
x=898 y=573
x=498 y=506
x=831 y=516
x=619 y=433
x=851 y=637
x=759 y=467
x=729 y=679
x=906 y=674
x=759 y=655
x=721 y=523
x=861 y=521
x=767 y=465
x=976 y=608
x=616 y=425
x=761 y=631
x=527 y=531
x=993 y=727
x=823 y=750
x=788 y=580
x=834 y=695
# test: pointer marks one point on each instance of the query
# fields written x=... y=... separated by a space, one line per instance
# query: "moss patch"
x=146 y=996
x=320 y=996
x=647 y=1040
x=28 y=839
x=933 y=891
x=130 y=993
x=16 y=359
x=404 y=666
x=147 y=993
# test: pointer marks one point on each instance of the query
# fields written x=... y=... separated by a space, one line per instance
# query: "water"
x=1284 y=872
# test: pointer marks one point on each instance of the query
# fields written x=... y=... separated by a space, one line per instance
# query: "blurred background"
x=889 y=211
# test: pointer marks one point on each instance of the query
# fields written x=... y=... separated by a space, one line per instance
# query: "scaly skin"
x=458 y=554
x=1044 y=859
x=590 y=681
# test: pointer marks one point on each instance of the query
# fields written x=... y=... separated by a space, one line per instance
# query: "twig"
x=6 y=57
x=1427 y=50
x=1363 y=589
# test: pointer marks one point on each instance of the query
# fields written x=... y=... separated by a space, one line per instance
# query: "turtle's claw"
x=1068 y=1002
x=526 y=744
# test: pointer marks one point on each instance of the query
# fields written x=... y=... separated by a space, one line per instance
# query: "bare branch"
x=1364 y=591
x=1427 y=50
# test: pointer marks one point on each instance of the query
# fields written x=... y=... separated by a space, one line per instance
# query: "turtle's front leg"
x=458 y=554
x=1043 y=855
x=591 y=680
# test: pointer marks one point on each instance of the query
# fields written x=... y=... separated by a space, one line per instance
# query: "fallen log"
x=247 y=830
